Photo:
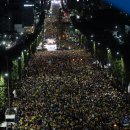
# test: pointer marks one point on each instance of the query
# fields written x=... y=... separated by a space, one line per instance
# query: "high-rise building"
x=5 y=17
x=28 y=14
x=16 y=15
x=23 y=14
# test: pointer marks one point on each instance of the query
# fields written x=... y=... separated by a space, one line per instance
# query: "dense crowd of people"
x=64 y=90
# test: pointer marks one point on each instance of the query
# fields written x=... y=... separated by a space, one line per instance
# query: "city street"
x=65 y=90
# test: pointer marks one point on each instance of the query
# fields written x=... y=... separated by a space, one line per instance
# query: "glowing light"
x=3 y=42
x=92 y=36
x=77 y=16
x=19 y=58
x=109 y=64
x=117 y=53
x=28 y=5
x=56 y=1
x=120 y=36
x=50 y=41
x=6 y=74
x=99 y=43
x=8 y=46
x=115 y=125
x=108 y=50
x=52 y=47
x=116 y=27
x=21 y=33
x=69 y=47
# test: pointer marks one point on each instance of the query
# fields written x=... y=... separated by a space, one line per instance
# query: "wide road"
x=64 y=90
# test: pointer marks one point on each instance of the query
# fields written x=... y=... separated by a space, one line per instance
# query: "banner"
x=129 y=88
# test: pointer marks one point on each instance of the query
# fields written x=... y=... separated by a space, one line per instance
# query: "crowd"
x=64 y=90
x=51 y=24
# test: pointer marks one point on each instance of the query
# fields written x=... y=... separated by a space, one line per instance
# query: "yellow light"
x=115 y=125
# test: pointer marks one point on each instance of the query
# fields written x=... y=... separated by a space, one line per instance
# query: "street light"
x=19 y=58
x=17 y=38
x=7 y=76
x=77 y=16
x=91 y=16
x=3 y=42
x=92 y=36
x=109 y=65
x=116 y=27
x=98 y=43
x=117 y=53
x=21 y=33
x=19 y=66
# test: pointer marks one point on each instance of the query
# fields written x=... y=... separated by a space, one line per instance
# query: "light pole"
x=20 y=67
x=7 y=76
x=8 y=85
x=9 y=19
